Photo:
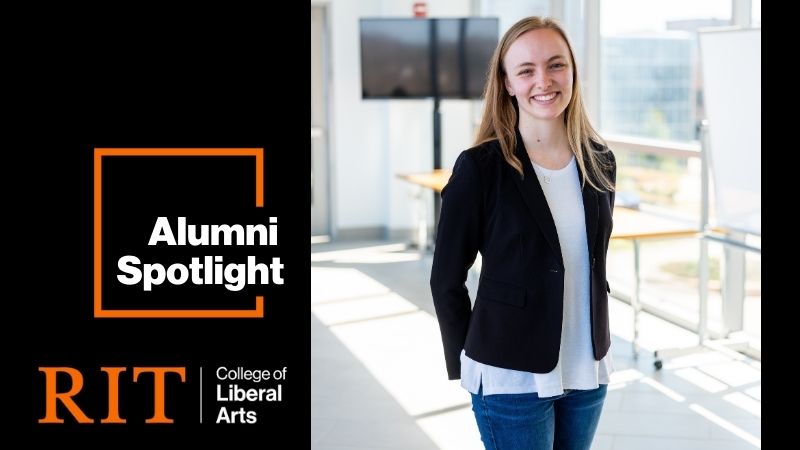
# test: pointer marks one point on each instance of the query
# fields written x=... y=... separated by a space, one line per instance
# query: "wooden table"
x=435 y=180
x=635 y=226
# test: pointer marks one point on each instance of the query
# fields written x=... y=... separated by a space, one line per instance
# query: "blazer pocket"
x=500 y=291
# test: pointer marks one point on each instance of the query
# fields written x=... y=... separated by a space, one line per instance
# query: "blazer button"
x=554 y=270
x=593 y=259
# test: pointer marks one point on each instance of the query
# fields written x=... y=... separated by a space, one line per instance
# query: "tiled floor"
x=378 y=379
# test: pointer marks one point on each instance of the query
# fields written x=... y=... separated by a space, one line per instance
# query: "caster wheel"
x=658 y=364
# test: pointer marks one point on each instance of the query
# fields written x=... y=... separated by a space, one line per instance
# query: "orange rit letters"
x=52 y=396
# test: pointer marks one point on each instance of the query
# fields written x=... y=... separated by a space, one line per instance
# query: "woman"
x=535 y=197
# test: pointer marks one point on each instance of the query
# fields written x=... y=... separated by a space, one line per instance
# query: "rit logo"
x=52 y=395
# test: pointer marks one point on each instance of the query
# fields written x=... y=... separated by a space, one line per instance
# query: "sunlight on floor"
x=726 y=425
x=744 y=402
x=454 y=430
x=333 y=284
x=398 y=353
x=363 y=308
x=663 y=389
x=701 y=380
x=380 y=254
x=399 y=344
x=392 y=339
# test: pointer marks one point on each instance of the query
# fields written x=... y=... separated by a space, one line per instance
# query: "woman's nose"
x=543 y=81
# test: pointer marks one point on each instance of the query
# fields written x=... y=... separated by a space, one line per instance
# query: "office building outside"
x=648 y=86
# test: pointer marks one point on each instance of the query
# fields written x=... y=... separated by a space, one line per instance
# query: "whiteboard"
x=731 y=67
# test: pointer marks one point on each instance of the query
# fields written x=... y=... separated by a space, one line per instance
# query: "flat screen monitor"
x=401 y=57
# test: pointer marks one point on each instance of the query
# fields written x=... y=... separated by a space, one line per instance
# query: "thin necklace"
x=546 y=175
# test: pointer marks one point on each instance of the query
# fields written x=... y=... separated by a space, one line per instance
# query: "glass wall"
x=650 y=80
x=651 y=96
x=756 y=13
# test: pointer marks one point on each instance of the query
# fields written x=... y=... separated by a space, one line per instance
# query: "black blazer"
x=516 y=321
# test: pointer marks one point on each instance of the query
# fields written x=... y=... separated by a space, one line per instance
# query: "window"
x=650 y=80
x=755 y=13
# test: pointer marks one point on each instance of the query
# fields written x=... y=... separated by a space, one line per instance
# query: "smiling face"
x=538 y=72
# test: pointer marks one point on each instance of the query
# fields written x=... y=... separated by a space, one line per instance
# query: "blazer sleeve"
x=457 y=242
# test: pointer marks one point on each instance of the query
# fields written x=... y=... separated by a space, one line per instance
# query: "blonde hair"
x=499 y=120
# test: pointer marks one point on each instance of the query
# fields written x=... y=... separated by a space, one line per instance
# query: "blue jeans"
x=525 y=421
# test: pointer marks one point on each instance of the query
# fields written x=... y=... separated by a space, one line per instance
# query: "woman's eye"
x=558 y=66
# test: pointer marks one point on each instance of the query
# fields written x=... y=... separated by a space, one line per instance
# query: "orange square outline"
x=99 y=312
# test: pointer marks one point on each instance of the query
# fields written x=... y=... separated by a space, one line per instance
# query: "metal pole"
x=702 y=322
x=635 y=300
x=437 y=162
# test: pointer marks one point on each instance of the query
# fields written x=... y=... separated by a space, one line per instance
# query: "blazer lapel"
x=591 y=211
x=534 y=198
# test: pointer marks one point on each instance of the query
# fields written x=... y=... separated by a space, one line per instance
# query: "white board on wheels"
x=731 y=67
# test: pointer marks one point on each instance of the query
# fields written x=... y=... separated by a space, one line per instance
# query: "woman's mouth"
x=545 y=99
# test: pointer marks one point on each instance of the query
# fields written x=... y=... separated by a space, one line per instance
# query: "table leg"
x=703 y=277
x=635 y=300
x=420 y=235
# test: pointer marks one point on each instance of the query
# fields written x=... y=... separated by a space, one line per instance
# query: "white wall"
x=356 y=138
x=372 y=141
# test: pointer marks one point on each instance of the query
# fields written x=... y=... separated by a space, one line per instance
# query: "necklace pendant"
x=547 y=179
